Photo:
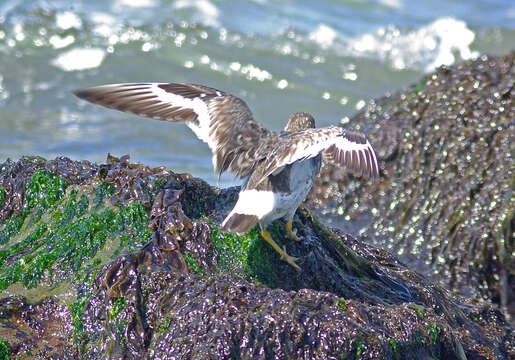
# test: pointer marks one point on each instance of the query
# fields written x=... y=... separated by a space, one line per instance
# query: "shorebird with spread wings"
x=278 y=168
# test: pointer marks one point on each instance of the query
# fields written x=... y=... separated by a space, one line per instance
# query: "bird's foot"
x=289 y=259
x=282 y=252
x=289 y=231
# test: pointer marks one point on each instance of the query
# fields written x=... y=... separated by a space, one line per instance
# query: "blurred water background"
x=325 y=57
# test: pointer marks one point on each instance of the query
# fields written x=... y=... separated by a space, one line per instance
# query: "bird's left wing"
x=221 y=120
x=341 y=147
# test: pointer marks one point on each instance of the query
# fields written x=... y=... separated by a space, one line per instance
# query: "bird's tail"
x=239 y=223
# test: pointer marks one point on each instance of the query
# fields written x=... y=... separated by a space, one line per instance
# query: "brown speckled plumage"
x=239 y=143
x=278 y=167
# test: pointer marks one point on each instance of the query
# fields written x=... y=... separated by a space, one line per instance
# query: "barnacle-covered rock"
x=444 y=202
x=183 y=289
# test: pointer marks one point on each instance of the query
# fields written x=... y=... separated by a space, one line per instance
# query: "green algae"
x=393 y=343
x=77 y=315
x=165 y=325
x=2 y=197
x=420 y=86
x=119 y=304
x=360 y=347
x=103 y=191
x=4 y=349
x=59 y=231
x=419 y=310
x=433 y=330
x=117 y=321
x=11 y=228
x=44 y=190
x=192 y=263
x=232 y=250
x=247 y=256
x=36 y=158
x=68 y=241
x=341 y=304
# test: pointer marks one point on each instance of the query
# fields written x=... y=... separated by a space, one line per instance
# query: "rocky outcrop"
x=152 y=276
x=445 y=201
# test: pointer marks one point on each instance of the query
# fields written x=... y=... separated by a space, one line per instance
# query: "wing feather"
x=221 y=120
x=344 y=148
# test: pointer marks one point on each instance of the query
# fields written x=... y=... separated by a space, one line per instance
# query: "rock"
x=445 y=202
x=56 y=216
x=137 y=254
x=44 y=328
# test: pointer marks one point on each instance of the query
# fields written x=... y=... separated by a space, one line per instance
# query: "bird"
x=277 y=167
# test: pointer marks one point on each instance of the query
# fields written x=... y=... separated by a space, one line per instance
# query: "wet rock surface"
x=64 y=220
x=194 y=292
x=43 y=329
x=120 y=260
x=445 y=202
x=351 y=300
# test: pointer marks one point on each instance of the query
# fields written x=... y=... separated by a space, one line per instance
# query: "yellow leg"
x=290 y=232
x=284 y=256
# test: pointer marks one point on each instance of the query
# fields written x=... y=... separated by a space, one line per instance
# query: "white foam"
x=253 y=72
x=282 y=84
x=67 y=20
x=133 y=3
x=4 y=94
x=80 y=59
x=102 y=18
x=207 y=13
x=426 y=48
x=323 y=35
x=105 y=24
x=396 y=4
x=59 y=42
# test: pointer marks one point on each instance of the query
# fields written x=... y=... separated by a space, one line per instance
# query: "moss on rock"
x=59 y=233
x=246 y=256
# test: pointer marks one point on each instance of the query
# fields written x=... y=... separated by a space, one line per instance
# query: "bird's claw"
x=281 y=251
x=290 y=259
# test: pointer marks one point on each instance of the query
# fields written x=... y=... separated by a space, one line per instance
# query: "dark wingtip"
x=81 y=93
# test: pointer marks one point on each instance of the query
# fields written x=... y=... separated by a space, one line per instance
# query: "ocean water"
x=325 y=57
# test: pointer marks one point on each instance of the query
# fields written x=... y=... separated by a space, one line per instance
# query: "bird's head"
x=300 y=121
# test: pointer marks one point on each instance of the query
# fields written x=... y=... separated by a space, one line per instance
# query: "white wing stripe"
x=197 y=105
x=352 y=152
x=148 y=99
x=325 y=141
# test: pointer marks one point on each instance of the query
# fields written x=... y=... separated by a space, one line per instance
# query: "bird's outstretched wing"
x=221 y=120
x=341 y=147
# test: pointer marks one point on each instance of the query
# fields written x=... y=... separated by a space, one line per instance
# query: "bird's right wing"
x=221 y=120
x=341 y=147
